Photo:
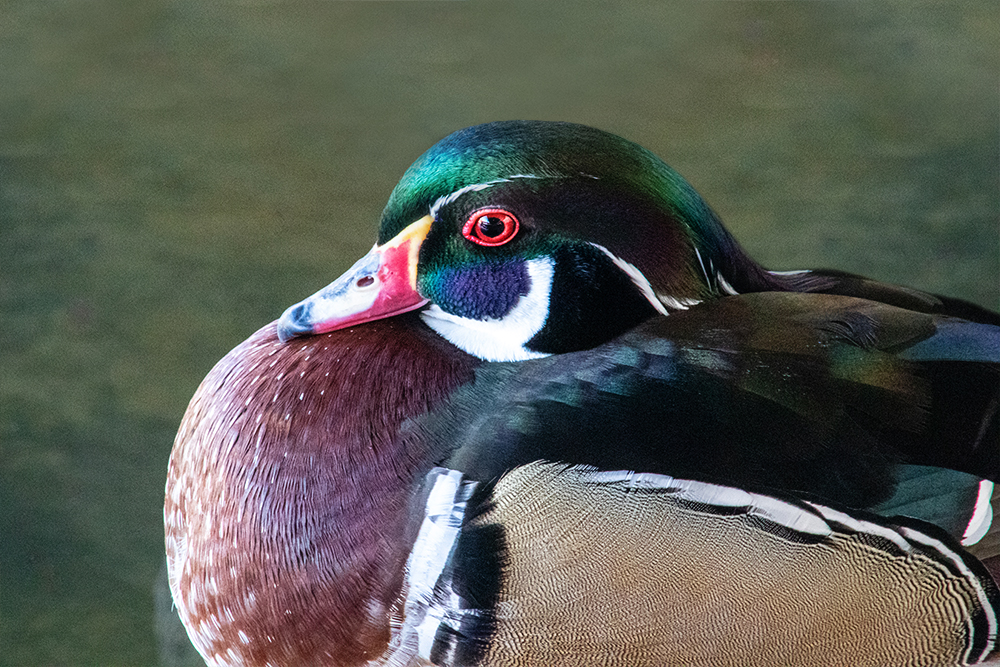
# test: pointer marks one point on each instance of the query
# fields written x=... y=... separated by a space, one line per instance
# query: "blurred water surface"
x=174 y=173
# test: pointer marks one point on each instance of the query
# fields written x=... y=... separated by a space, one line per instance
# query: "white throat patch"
x=501 y=339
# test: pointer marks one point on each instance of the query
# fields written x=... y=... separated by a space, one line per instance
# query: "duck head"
x=521 y=239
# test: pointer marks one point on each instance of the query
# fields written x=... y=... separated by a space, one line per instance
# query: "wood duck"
x=557 y=416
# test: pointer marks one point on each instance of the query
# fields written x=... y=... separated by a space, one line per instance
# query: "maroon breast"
x=287 y=491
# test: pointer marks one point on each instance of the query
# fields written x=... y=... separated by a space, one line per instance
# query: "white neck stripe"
x=637 y=278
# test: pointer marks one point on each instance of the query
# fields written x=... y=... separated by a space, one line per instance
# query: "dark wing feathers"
x=943 y=497
x=795 y=392
x=807 y=427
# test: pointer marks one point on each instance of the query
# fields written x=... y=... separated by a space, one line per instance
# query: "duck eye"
x=490 y=227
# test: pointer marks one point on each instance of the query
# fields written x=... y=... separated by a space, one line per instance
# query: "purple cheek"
x=479 y=292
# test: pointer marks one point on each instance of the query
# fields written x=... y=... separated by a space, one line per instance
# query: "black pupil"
x=491 y=227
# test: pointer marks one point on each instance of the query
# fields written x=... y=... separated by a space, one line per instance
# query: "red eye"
x=490 y=226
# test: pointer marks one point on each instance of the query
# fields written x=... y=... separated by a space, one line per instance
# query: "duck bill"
x=381 y=284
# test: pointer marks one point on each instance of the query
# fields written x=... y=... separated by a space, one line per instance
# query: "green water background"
x=174 y=173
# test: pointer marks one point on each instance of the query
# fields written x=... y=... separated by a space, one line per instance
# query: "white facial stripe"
x=501 y=339
x=637 y=278
x=724 y=284
x=659 y=301
x=475 y=187
x=789 y=273
x=677 y=304
x=706 y=271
